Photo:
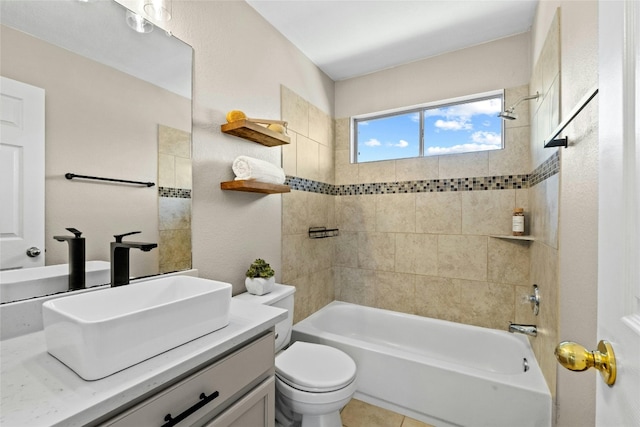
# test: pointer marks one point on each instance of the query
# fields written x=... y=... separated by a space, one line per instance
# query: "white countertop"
x=38 y=390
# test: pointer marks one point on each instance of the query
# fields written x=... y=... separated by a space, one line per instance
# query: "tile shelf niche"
x=257 y=133
x=508 y=237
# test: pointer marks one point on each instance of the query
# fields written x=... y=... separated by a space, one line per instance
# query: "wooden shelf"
x=255 y=132
x=522 y=238
x=254 y=187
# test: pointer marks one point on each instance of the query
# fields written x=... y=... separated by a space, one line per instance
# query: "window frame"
x=420 y=109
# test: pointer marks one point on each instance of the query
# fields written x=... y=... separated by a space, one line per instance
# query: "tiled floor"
x=361 y=414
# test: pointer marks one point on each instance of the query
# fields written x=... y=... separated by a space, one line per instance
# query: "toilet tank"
x=282 y=297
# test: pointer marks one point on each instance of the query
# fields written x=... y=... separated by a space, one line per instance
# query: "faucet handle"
x=75 y=232
x=120 y=236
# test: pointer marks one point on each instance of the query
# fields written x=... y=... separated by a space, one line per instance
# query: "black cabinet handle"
x=204 y=399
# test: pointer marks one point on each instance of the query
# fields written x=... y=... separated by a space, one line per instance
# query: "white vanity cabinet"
x=236 y=390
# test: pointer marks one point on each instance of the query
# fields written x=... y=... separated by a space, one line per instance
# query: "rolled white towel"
x=249 y=168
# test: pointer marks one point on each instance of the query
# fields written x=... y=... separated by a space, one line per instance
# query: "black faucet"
x=76 y=258
x=120 y=257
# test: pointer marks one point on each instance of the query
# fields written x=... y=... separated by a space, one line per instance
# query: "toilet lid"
x=315 y=367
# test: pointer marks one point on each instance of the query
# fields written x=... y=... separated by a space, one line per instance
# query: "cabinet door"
x=255 y=409
x=206 y=393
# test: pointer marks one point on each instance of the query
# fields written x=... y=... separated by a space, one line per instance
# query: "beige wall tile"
x=294 y=213
x=356 y=286
x=376 y=172
x=417 y=254
x=174 y=213
x=356 y=213
x=439 y=213
x=376 y=251
x=395 y=291
x=174 y=142
x=320 y=126
x=417 y=169
x=396 y=213
x=293 y=257
x=345 y=171
x=462 y=257
x=183 y=173
x=544 y=199
x=166 y=171
x=290 y=155
x=295 y=111
x=487 y=212
x=343 y=134
x=307 y=162
x=326 y=169
x=346 y=249
x=463 y=165
x=438 y=297
x=508 y=261
x=174 y=246
x=514 y=159
x=486 y=304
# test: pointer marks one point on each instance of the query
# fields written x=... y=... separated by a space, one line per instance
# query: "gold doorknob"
x=575 y=357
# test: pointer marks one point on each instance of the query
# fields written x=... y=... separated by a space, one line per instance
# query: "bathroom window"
x=461 y=125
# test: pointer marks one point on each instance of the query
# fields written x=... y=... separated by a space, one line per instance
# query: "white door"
x=21 y=174
x=619 y=199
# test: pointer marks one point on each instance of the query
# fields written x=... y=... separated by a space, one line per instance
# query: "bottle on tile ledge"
x=517 y=226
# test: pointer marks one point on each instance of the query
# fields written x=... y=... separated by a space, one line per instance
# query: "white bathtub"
x=439 y=372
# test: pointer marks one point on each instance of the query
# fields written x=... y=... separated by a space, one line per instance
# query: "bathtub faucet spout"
x=530 y=330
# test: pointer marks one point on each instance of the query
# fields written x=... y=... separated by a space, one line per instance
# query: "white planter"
x=258 y=285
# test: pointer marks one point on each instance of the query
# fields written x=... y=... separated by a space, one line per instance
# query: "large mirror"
x=117 y=104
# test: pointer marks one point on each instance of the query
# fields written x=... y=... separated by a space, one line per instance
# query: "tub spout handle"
x=530 y=330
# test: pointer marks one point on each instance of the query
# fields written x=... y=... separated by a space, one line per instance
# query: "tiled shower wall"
x=307 y=263
x=174 y=199
x=544 y=203
x=429 y=252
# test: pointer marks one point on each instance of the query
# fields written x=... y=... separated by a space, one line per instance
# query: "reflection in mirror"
x=117 y=104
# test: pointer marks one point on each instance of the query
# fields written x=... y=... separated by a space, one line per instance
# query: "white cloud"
x=415 y=117
x=453 y=125
x=458 y=117
x=462 y=148
x=372 y=143
x=401 y=144
x=482 y=137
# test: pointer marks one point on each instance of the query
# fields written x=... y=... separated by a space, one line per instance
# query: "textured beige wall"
x=240 y=62
x=88 y=136
x=481 y=68
x=576 y=255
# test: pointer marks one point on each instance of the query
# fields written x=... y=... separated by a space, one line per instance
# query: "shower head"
x=509 y=113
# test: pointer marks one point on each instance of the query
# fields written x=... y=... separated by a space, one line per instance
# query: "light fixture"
x=509 y=114
x=159 y=10
x=138 y=23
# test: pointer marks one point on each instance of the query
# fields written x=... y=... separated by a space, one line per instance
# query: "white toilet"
x=313 y=381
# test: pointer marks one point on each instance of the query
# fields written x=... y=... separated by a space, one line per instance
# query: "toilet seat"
x=315 y=367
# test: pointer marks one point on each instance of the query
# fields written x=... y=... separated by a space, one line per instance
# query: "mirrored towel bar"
x=69 y=175
x=553 y=140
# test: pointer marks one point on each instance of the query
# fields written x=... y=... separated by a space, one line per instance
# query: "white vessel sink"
x=38 y=281
x=99 y=333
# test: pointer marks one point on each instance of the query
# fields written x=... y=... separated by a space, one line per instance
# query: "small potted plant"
x=260 y=278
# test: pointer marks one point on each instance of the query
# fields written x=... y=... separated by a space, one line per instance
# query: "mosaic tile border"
x=177 y=193
x=548 y=168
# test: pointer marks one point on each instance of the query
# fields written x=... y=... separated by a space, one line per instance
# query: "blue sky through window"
x=459 y=128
